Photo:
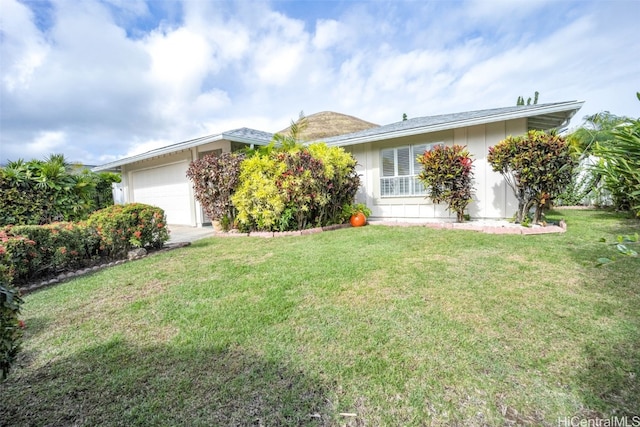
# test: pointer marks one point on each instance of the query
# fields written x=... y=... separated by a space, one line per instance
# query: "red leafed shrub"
x=447 y=175
x=302 y=185
x=215 y=179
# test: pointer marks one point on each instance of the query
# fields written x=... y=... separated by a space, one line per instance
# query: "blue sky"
x=97 y=80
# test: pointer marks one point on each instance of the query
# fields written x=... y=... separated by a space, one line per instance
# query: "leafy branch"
x=622 y=245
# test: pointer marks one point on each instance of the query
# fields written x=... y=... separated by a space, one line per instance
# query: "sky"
x=98 y=80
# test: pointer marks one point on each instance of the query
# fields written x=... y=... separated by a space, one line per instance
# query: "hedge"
x=34 y=251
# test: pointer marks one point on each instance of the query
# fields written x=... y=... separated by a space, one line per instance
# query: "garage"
x=166 y=187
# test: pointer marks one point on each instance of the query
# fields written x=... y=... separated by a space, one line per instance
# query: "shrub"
x=301 y=185
x=258 y=199
x=57 y=191
x=15 y=208
x=293 y=187
x=341 y=181
x=104 y=189
x=33 y=251
x=10 y=325
x=215 y=179
x=447 y=175
x=122 y=227
x=537 y=166
x=61 y=245
x=20 y=255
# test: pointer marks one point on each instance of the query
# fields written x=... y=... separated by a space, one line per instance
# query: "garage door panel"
x=166 y=187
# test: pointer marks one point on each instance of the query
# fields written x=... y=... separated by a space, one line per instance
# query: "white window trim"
x=403 y=185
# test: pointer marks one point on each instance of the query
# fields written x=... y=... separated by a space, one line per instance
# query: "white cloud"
x=44 y=142
x=23 y=49
x=329 y=32
x=180 y=61
x=139 y=147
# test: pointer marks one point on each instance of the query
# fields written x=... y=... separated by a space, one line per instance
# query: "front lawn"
x=360 y=326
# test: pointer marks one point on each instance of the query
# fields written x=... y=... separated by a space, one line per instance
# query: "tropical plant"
x=39 y=250
x=619 y=164
x=597 y=128
x=356 y=208
x=537 y=166
x=301 y=185
x=341 y=181
x=448 y=176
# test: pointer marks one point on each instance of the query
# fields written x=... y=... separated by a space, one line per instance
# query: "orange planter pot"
x=358 y=220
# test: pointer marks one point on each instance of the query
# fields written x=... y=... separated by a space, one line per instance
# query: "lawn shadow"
x=118 y=383
x=610 y=382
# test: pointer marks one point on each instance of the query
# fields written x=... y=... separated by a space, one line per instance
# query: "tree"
x=597 y=128
x=404 y=117
x=587 y=181
x=537 y=166
x=447 y=175
x=520 y=100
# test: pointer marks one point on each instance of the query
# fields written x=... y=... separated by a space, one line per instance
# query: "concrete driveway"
x=184 y=233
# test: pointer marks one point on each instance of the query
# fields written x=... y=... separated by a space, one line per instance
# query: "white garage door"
x=166 y=187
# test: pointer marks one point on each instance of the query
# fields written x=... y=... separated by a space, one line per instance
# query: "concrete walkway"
x=187 y=234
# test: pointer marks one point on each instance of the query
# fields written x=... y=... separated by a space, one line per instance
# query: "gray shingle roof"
x=542 y=116
x=253 y=134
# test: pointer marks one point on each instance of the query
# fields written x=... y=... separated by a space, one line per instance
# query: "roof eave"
x=571 y=107
x=117 y=165
x=157 y=153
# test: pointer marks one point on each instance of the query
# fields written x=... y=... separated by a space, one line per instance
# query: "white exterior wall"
x=492 y=197
x=190 y=210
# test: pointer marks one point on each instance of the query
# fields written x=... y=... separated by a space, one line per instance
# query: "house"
x=386 y=160
x=159 y=177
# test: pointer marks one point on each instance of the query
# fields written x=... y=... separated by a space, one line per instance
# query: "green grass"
x=399 y=326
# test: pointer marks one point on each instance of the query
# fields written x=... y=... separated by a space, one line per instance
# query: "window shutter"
x=404 y=161
x=418 y=150
x=388 y=161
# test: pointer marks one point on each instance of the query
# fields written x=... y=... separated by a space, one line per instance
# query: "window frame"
x=406 y=185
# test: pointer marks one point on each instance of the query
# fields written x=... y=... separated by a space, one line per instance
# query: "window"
x=400 y=170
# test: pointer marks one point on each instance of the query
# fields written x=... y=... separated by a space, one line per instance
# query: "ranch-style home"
x=386 y=162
